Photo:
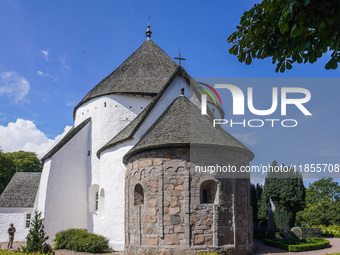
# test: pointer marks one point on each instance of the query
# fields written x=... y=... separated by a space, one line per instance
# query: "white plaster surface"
x=17 y=216
x=109 y=220
x=65 y=203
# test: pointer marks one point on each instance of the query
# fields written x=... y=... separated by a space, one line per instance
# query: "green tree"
x=327 y=212
x=25 y=161
x=20 y=161
x=262 y=214
x=36 y=239
x=322 y=189
x=289 y=31
x=256 y=193
x=7 y=170
x=323 y=204
x=286 y=190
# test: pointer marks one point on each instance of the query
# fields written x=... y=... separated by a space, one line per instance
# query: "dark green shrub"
x=313 y=243
x=308 y=244
x=80 y=240
x=276 y=243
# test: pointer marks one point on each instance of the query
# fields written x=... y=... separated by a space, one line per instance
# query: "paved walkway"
x=16 y=245
x=260 y=249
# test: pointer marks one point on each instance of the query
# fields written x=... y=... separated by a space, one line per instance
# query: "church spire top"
x=148 y=31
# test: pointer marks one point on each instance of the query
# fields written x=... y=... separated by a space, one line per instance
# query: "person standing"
x=11 y=232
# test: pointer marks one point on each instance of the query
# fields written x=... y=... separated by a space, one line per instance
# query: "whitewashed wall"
x=109 y=219
x=17 y=216
x=109 y=115
x=64 y=200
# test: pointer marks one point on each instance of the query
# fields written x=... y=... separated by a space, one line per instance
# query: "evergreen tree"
x=287 y=192
x=256 y=193
x=36 y=239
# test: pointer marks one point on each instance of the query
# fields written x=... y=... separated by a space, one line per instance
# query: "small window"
x=97 y=199
x=28 y=220
x=208 y=192
x=102 y=200
x=138 y=195
x=93 y=198
x=104 y=104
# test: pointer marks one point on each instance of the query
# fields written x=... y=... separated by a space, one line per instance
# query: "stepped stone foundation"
x=171 y=209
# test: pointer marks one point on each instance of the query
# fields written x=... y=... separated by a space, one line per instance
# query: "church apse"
x=169 y=208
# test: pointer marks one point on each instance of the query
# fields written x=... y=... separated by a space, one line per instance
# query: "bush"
x=80 y=240
x=313 y=243
x=308 y=244
x=330 y=231
x=36 y=239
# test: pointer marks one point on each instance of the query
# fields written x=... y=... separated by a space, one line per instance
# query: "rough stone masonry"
x=171 y=209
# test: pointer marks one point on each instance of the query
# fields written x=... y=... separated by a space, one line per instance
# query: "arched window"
x=93 y=197
x=102 y=200
x=138 y=195
x=208 y=192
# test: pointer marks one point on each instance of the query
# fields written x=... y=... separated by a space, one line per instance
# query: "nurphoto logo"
x=239 y=105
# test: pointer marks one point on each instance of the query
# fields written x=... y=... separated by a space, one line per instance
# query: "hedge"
x=331 y=235
x=307 y=244
x=80 y=240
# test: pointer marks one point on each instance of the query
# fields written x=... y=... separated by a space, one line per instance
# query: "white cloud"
x=63 y=62
x=14 y=85
x=24 y=135
x=46 y=53
x=247 y=138
x=70 y=104
x=41 y=73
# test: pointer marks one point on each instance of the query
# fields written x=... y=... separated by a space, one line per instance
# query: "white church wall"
x=39 y=204
x=66 y=187
x=17 y=216
x=109 y=115
x=171 y=93
x=109 y=219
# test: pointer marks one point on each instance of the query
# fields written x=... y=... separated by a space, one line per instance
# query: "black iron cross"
x=179 y=59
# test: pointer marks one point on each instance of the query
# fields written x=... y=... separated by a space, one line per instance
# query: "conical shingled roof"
x=145 y=72
x=182 y=124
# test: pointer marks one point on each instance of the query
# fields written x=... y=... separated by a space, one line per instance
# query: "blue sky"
x=53 y=52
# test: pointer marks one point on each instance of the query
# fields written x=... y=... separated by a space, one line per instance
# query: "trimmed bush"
x=330 y=231
x=80 y=240
x=312 y=244
x=308 y=244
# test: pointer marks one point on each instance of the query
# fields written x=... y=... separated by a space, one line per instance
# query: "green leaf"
x=306 y=2
x=283 y=68
x=248 y=59
x=289 y=65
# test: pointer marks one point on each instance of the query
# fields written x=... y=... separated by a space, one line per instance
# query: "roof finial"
x=148 y=30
